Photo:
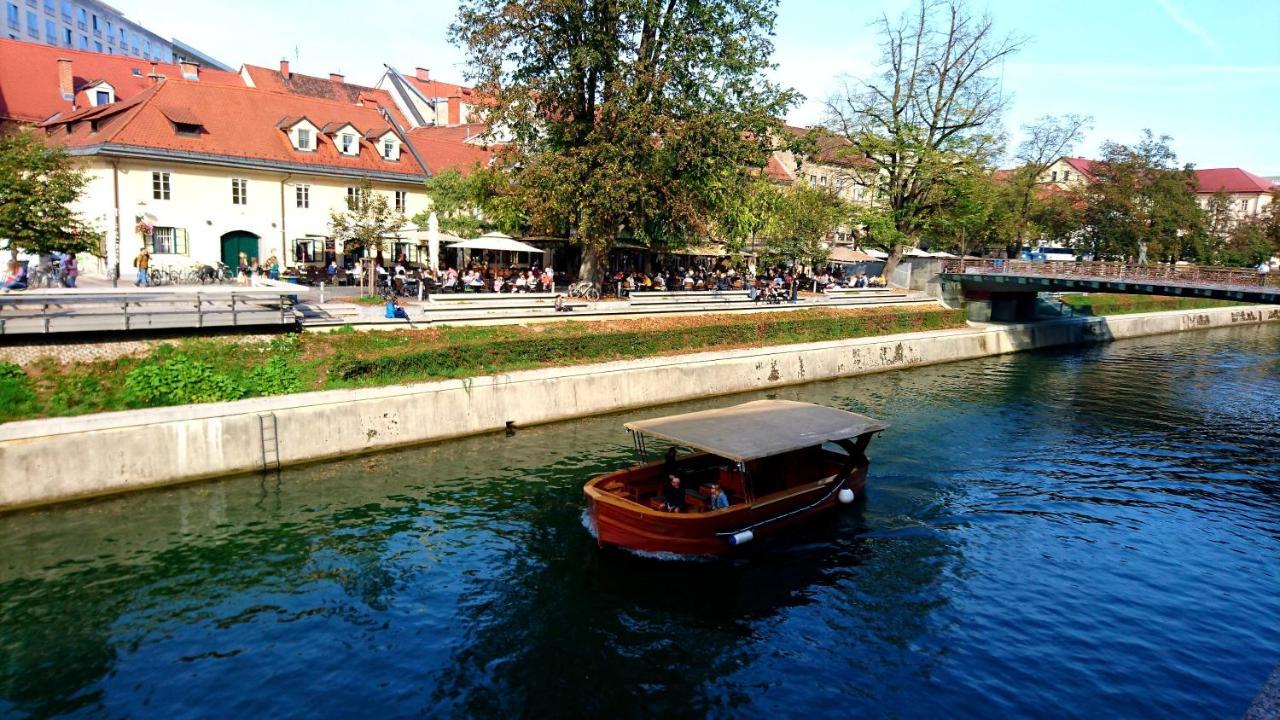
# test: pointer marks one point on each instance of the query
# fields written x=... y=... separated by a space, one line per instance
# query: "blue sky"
x=1206 y=72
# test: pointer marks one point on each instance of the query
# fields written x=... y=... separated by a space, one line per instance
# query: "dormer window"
x=302 y=132
x=347 y=143
x=185 y=122
x=100 y=93
x=388 y=149
x=346 y=138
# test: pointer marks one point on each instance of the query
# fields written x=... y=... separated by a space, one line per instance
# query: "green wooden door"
x=236 y=242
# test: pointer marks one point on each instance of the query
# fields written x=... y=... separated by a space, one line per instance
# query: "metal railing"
x=1208 y=276
x=37 y=312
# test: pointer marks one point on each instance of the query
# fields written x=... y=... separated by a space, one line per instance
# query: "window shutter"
x=181 y=243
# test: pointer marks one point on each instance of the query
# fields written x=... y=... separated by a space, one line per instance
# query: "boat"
x=779 y=462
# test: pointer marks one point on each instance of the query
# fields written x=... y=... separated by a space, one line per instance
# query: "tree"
x=1142 y=204
x=1046 y=140
x=970 y=216
x=38 y=185
x=467 y=205
x=799 y=222
x=367 y=223
x=931 y=115
x=625 y=115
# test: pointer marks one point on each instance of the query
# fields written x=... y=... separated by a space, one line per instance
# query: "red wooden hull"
x=625 y=523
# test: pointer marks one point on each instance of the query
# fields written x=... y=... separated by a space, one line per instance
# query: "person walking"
x=143 y=263
x=70 y=270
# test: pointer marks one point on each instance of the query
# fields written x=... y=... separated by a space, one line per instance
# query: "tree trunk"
x=593 y=266
x=891 y=262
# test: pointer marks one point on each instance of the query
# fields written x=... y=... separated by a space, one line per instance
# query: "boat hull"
x=624 y=523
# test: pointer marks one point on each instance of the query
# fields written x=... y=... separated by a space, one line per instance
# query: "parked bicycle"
x=45 y=275
x=585 y=289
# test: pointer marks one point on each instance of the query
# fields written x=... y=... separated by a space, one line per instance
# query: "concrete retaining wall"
x=44 y=461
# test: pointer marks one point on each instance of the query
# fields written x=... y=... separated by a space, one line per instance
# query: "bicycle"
x=585 y=289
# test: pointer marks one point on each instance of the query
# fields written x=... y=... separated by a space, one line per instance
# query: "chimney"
x=284 y=68
x=423 y=74
x=335 y=77
x=65 y=82
x=190 y=70
x=154 y=76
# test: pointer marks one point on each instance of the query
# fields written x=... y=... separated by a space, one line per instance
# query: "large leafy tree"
x=931 y=114
x=471 y=203
x=367 y=222
x=625 y=116
x=1142 y=204
x=38 y=184
x=800 y=219
x=1044 y=141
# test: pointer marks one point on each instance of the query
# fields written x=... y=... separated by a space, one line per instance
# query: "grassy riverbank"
x=226 y=368
x=1118 y=304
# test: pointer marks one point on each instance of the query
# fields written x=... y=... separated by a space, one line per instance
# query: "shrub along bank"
x=218 y=369
x=1120 y=304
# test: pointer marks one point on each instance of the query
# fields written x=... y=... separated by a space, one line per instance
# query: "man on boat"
x=719 y=500
x=673 y=495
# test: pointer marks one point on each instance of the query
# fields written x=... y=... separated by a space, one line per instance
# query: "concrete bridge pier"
x=990 y=305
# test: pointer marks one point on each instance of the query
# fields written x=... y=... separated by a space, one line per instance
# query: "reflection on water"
x=1063 y=534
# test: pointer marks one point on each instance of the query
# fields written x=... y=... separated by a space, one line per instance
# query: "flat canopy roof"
x=758 y=429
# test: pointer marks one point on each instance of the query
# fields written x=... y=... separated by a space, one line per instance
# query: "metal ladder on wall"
x=268 y=431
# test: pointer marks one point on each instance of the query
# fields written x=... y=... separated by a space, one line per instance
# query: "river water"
x=1076 y=533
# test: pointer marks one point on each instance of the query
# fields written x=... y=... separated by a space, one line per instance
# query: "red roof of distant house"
x=451 y=148
x=29 y=89
x=776 y=171
x=237 y=124
x=324 y=88
x=1232 y=180
x=1084 y=166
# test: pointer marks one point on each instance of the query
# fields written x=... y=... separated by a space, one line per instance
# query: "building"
x=220 y=170
x=1247 y=194
x=38 y=82
x=93 y=26
x=1067 y=173
x=426 y=102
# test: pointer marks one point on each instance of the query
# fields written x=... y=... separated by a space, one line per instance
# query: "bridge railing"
x=1202 y=275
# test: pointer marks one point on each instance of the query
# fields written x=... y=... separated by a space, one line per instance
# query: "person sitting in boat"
x=719 y=499
x=673 y=495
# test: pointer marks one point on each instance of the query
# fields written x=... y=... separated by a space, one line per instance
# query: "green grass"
x=223 y=368
x=1118 y=304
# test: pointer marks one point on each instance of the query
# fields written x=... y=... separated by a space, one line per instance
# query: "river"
x=1062 y=534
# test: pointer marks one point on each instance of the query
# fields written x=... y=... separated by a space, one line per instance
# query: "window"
x=97 y=46
x=169 y=241
x=50 y=31
x=96 y=27
x=1066 y=175
x=48 y=7
x=33 y=24
x=302 y=193
x=348 y=143
x=239 y=191
x=304 y=250
x=401 y=195
x=82 y=19
x=11 y=14
x=66 y=36
x=103 y=97
x=389 y=149
x=351 y=197
x=160 y=185
x=84 y=42
x=304 y=138
x=1053 y=176
x=187 y=129
x=122 y=38
x=111 y=32
x=66 y=10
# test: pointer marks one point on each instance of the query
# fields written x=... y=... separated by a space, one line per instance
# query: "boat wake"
x=590 y=525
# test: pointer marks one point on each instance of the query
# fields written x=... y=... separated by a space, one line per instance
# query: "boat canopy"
x=758 y=429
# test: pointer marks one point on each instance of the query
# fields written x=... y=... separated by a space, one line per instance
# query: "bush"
x=16 y=397
x=178 y=380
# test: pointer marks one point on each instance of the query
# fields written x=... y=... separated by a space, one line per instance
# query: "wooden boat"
x=779 y=462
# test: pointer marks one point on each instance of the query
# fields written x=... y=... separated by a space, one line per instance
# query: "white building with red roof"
x=1247 y=194
x=222 y=169
x=427 y=102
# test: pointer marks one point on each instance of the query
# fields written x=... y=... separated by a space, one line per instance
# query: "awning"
x=849 y=255
x=877 y=254
x=758 y=429
x=496 y=241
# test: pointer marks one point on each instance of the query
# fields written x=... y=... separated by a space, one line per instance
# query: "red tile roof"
x=1232 y=180
x=239 y=124
x=29 y=89
x=445 y=148
x=776 y=171
x=324 y=88
x=433 y=89
x=1082 y=165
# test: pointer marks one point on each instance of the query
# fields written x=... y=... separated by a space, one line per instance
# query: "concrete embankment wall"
x=60 y=459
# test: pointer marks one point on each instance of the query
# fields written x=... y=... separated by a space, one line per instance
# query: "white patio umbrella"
x=496 y=241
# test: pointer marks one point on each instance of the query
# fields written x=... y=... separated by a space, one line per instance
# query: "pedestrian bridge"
x=1006 y=289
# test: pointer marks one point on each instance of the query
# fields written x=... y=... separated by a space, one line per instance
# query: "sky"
x=1205 y=72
